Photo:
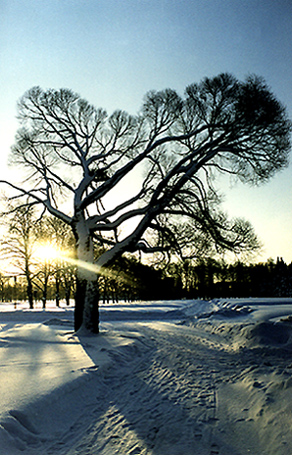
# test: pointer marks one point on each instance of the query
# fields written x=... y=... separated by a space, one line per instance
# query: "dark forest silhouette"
x=131 y=280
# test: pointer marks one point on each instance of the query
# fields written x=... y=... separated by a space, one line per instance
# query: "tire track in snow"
x=159 y=397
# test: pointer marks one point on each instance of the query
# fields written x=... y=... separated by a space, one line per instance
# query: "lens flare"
x=82 y=264
x=48 y=252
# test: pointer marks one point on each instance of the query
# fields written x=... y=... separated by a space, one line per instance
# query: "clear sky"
x=113 y=51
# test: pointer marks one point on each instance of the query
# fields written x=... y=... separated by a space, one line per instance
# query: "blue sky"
x=113 y=51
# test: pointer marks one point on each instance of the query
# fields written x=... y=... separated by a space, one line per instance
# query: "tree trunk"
x=67 y=283
x=91 y=307
x=29 y=286
x=45 y=286
x=86 y=313
x=68 y=295
x=29 y=293
x=87 y=293
x=57 y=286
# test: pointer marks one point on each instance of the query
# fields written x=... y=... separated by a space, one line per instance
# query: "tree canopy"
x=74 y=151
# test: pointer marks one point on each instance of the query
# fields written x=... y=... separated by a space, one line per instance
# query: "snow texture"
x=162 y=378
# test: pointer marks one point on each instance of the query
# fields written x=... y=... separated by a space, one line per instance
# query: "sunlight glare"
x=47 y=252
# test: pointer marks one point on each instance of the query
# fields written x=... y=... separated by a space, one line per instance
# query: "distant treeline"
x=210 y=279
x=128 y=279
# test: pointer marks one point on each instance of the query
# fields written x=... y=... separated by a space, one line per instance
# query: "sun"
x=47 y=252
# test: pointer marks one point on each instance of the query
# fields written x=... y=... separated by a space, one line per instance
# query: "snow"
x=162 y=378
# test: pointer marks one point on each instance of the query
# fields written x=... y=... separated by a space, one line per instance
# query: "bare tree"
x=75 y=151
x=60 y=237
x=18 y=245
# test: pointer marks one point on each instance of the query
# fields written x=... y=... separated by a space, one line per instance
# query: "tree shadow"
x=143 y=413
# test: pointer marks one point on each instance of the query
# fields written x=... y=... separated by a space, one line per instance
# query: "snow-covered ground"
x=162 y=378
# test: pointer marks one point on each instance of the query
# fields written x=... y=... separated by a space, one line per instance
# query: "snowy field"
x=162 y=378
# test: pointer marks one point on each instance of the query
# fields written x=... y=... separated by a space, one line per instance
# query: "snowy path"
x=158 y=396
x=151 y=388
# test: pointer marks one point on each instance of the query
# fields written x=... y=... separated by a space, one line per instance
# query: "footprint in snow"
x=89 y=369
x=135 y=451
x=214 y=449
x=22 y=418
x=198 y=436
